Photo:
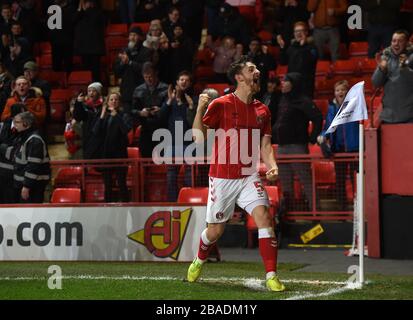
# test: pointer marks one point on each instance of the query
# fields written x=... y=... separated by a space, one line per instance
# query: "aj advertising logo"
x=163 y=233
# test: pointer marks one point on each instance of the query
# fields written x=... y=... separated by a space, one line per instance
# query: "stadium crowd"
x=160 y=61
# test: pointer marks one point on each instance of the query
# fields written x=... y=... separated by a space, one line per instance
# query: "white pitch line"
x=252 y=281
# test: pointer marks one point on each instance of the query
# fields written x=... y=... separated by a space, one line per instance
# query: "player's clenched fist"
x=272 y=174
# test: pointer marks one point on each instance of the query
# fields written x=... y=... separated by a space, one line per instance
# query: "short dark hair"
x=184 y=73
x=236 y=67
x=148 y=67
x=404 y=32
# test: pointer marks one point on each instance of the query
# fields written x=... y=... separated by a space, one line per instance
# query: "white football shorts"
x=223 y=194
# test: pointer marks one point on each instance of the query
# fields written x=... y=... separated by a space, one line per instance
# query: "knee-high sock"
x=204 y=247
x=268 y=249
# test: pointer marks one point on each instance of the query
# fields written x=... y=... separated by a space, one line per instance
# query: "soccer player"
x=232 y=183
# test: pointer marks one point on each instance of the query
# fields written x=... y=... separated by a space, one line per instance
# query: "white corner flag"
x=353 y=108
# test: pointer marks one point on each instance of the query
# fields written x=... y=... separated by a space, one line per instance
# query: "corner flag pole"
x=360 y=211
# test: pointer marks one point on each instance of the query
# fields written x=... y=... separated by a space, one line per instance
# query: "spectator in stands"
x=62 y=39
x=31 y=72
x=6 y=21
x=148 y=10
x=127 y=10
x=169 y=23
x=230 y=23
x=174 y=112
x=147 y=101
x=271 y=98
x=295 y=111
x=396 y=77
x=192 y=13
x=251 y=10
x=224 y=54
x=163 y=60
x=5 y=86
x=19 y=55
x=154 y=35
x=128 y=66
x=327 y=17
x=73 y=134
x=182 y=51
x=31 y=160
x=344 y=139
x=302 y=57
x=112 y=129
x=8 y=134
x=88 y=110
x=25 y=94
x=25 y=13
x=212 y=8
x=89 y=31
x=290 y=12
x=265 y=62
x=383 y=19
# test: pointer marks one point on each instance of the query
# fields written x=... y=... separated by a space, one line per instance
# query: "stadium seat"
x=281 y=71
x=120 y=29
x=322 y=105
x=94 y=192
x=274 y=51
x=59 y=104
x=66 y=195
x=345 y=67
x=323 y=68
x=143 y=25
x=366 y=66
x=115 y=44
x=193 y=195
x=324 y=172
x=315 y=150
x=79 y=80
x=69 y=177
x=205 y=73
x=45 y=62
x=358 y=49
x=204 y=57
x=57 y=80
x=133 y=152
x=265 y=35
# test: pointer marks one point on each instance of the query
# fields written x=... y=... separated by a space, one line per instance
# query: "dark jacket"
x=131 y=73
x=174 y=113
x=346 y=137
x=92 y=144
x=398 y=88
x=31 y=161
x=287 y=17
x=7 y=137
x=302 y=59
x=64 y=36
x=89 y=32
x=386 y=13
x=113 y=132
x=295 y=112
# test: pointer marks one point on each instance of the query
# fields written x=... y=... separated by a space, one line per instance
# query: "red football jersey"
x=229 y=112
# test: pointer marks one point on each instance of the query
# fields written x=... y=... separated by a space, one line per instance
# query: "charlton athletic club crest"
x=219 y=215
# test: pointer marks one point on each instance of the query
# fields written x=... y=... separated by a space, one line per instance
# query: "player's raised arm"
x=267 y=155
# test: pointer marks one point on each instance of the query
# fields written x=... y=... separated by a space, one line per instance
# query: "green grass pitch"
x=165 y=281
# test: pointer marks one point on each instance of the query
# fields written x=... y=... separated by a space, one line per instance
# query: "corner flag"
x=353 y=108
